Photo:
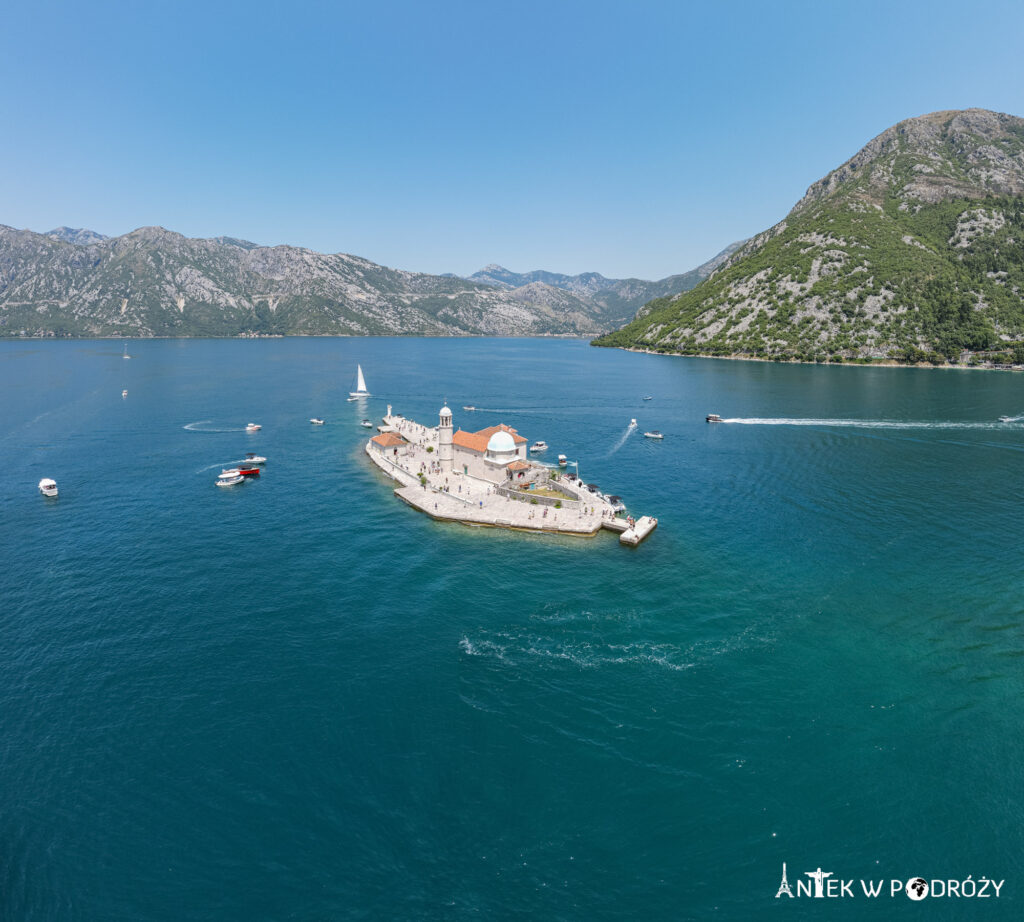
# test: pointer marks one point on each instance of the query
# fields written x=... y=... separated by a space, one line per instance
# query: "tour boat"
x=360 y=390
x=317 y=421
x=713 y=418
x=253 y=427
x=539 y=446
x=229 y=478
x=252 y=459
x=653 y=434
x=632 y=424
x=48 y=487
x=471 y=409
x=366 y=424
x=562 y=460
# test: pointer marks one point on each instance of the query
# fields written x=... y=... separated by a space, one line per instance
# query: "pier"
x=486 y=479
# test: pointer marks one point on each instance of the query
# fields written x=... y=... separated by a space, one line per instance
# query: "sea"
x=300 y=699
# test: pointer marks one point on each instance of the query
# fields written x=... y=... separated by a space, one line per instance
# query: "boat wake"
x=630 y=429
x=203 y=425
x=866 y=423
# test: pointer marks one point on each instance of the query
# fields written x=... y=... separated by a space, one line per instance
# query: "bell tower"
x=445 y=448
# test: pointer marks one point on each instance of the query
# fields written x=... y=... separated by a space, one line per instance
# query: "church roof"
x=518 y=465
x=389 y=440
x=477 y=441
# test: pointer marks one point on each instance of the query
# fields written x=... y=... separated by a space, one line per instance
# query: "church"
x=497 y=453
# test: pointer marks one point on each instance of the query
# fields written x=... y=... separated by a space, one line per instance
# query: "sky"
x=635 y=139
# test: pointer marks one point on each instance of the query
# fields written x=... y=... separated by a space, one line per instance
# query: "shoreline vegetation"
x=973 y=364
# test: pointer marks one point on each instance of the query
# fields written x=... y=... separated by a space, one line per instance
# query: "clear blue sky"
x=632 y=138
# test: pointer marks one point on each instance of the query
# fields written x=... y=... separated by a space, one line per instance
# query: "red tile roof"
x=389 y=440
x=477 y=441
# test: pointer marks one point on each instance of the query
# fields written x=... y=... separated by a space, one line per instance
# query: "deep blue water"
x=299 y=699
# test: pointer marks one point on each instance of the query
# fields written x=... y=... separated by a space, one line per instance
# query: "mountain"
x=616 y=300
x=913 y=249
x=76 y=235
x=153 y=282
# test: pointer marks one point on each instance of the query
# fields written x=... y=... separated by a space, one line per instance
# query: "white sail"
x=360 y=380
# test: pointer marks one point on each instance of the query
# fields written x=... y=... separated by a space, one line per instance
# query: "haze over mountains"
x=912 y=249
x=154 y=282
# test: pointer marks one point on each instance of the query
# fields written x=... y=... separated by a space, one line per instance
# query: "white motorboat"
x=713 y=418
x=539 y=446
x=471 y=409
x=562 y=460
x=253 y=427
x=126 y=355
x=252 y=458
x=653 y=434
x=366 y=424
x=1006 y=419
x=616 y=503
x=229 y=478
x=632 y=424
x=317 y=421
x=124 y=393
x=360 y=390
x=648 y=398
x=48 y=487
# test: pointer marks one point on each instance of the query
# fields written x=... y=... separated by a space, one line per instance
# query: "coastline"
x=852 y=363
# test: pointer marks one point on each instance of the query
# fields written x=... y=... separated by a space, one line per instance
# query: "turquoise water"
x=299 y=699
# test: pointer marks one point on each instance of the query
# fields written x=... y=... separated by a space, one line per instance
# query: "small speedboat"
x=632 y=424
x=48 y=487
x=616 y=503
x=653 y=434
x=1006 y=419
x=124 y=393
x=317 y=421
x=229 y=478
x=126 y=355
x=648 y=398
x=562 y=460
x=252 y=459
x=366 y=424
x=253 y=427
x=539 y=446
x=712 y=418
x=248 y=471
x=471 y=409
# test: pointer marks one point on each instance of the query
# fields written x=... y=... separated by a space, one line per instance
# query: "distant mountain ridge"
x=154 y=282
x=913 y=249
x=620 y=298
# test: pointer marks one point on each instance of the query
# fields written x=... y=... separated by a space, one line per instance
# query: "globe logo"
x=917 y=888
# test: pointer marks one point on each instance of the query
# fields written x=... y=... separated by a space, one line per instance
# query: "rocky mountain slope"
x=153 y=282
x=913 y=249
x=617 y=299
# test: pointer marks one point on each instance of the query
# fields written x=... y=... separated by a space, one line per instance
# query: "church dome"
x=501 y=443
x=445 y=411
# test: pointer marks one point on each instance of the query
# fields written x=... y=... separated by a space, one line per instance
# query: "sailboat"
x=360 y=390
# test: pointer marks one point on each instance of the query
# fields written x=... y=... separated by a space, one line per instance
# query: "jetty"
x=485 y=479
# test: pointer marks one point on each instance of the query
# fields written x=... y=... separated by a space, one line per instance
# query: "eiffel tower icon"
x=784 y=886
